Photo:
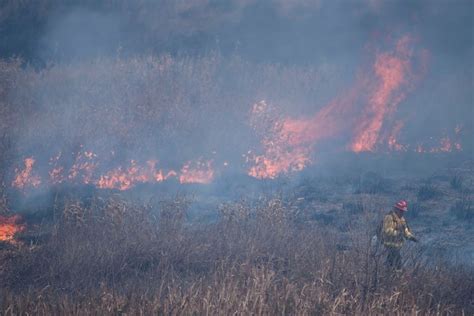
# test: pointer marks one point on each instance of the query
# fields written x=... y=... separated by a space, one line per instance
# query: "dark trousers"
x=394 y=259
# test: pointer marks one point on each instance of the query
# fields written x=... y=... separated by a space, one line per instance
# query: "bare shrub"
x=457 y=182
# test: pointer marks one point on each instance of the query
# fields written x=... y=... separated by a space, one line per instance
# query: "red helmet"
x=402 y=205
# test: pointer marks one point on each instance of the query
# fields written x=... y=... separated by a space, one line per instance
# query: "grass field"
x=295 y=245
x=110 y=255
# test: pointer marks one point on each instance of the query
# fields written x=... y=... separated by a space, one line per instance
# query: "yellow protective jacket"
x=395 y=230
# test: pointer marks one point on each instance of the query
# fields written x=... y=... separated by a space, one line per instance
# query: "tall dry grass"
x=173 y=109
x=112 y=257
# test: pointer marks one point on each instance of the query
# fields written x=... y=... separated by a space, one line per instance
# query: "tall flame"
x=281 y=155
x=362 y=116
x=391 y=69
x=289 y=142
x=362 y=112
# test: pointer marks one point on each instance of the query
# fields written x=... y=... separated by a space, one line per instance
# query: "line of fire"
x=236 y=157
x=364 y=114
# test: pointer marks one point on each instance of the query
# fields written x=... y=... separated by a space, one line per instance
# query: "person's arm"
x=408 y=234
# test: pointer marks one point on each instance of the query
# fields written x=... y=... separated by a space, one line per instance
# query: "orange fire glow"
x=283 y=150
x=25 y=178
x=83 y=167
x=393 y=143
x=9 y=226
x=446 y=145
x=289 y=143
x=85 y=171
x=376 y=94
x=392 y=70
x=124 y=179
x=362 y=116
x=197 y=172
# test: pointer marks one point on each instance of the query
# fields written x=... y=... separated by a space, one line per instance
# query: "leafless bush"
x=457 y=182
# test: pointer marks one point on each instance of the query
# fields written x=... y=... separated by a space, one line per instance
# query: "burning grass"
x=117 y=123
x=111 y=256
x=9 y=226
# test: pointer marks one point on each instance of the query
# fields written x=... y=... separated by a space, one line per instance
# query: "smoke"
x=80 y=34
x=172 y=84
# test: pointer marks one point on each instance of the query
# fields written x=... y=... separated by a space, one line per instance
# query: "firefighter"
x=394 y=232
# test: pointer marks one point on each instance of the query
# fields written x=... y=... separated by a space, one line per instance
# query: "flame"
x=83 y=167
x=277 y=160
x=283 y=151
x=446 y=145
x=56 y=175
x=362 y=116
x=197 y=172
x=124 y=179
x=288 y=143
x=9 y=226
x=393 y=143
x=160 y=176
x=26 y=177
x=331 y=120
x=392 y=69
x=85 y=171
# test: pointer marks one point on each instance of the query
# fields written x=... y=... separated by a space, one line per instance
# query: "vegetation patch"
x=457 y=182
x=463 y=209
x=428 y=192
x=372 y=183
x=113 y=257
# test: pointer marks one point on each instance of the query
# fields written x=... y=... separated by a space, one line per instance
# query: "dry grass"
x=145 y=108
x=112 y=257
